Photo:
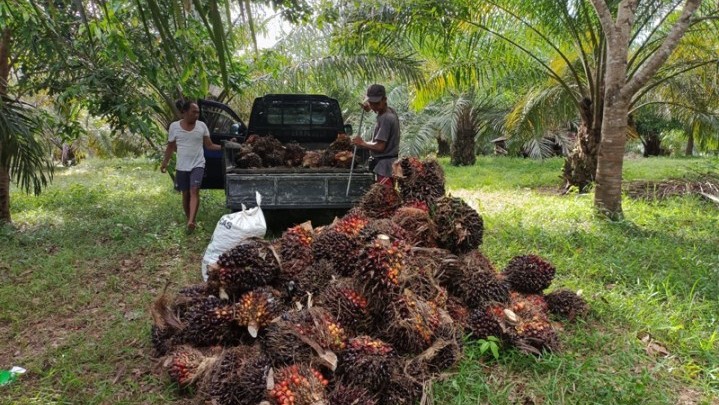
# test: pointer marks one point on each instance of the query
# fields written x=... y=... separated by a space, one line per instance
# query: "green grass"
x=86 y=258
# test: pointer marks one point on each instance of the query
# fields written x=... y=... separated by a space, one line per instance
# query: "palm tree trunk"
x=580 y=167
x=4 y=194
x=689 y=151
x=443 y=147
x=608 y=194
x=652 y=144
x=4 y=171
x=463 y=145
x=4 y=61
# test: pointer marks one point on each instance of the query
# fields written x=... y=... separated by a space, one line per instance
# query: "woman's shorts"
x=184 y=181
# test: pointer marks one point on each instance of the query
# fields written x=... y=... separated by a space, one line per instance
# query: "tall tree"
x=620 y=88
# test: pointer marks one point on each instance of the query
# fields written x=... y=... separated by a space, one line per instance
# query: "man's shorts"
x=184 y=181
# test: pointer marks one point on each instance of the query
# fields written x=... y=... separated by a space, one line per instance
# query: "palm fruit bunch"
x=526 y=323
x=298 y=336
x=367 y=362
x=479 y=287
x=282 y=342
x=380 y=201
x=529 y=274
x=459 y=227
x=239 y=377
x=350 y=395
x=411 y=323
x=444 y=353
x=419 y=227
x=294 y=153
x=336 y=247
x=482 y=322
x=327 y=157
x=417 y=204
x=248 y=160
x=380 y=264
x=418 y=278
x=189 y=296
x=275 y=159
x=342 y=159
x=537 y=334
x=566 y=304
x=312 y=159
x=270 y=150
x=299 y=385
x=187 y=365
x=351 y=224
x=342 y=143
x=449 y=269
x=476 y=260
x=243 y=268
x=257 y=308
x=161 y=338
x=313 y=279
x=528 y=305
x=420 y=180
x=295 y=247
x=209 y=322
x=385 y=226
x=346 y=303
x=165 y=324
x=402 y=390
x=458 y=312
x=328 y=332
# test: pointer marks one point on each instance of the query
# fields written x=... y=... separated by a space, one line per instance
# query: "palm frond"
x=21 y=152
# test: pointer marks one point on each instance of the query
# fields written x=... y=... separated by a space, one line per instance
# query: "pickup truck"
x=314 y=122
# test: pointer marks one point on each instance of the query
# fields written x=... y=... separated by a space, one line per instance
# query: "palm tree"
x=467 y=122
x=24 y=158
x=563 y=42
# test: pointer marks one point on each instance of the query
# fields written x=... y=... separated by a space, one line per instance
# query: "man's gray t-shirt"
x=189 y=145
x=387 y=130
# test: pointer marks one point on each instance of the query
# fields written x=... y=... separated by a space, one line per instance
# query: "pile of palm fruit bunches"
x=267 y=151
x=367 y=310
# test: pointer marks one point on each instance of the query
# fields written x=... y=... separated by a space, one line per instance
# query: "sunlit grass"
x=85 y=259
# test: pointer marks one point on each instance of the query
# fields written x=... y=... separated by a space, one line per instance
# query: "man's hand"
x=163 y=168
x=365 y=106
x=357 y=140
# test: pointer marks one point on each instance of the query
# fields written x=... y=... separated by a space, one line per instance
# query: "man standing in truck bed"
x=384 y=147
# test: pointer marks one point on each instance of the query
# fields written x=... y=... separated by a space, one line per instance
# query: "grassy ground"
x=86 y=258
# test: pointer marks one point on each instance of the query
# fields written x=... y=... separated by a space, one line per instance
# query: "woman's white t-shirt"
x=189 y=145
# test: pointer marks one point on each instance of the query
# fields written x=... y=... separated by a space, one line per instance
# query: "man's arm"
x=169 y=150
x=209 y=145
x=376 y=146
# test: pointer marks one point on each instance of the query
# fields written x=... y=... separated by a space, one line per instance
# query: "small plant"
x=491 y=343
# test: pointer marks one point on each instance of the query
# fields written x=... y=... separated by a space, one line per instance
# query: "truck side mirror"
x=348 y=129
x=235 y=130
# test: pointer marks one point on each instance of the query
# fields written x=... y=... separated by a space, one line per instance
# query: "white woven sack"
x=232 y=229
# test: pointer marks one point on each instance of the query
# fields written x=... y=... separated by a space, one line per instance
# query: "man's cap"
x=375 y=93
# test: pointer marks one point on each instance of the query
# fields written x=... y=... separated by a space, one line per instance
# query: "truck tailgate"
x=296 y=189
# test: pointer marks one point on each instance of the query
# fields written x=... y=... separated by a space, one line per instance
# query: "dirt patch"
x=659 y=190
x=688 y=396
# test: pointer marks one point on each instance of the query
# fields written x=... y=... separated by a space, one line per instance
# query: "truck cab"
x=224 y=124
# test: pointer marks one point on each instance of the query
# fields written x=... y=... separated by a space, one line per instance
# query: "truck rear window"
x=301 y=113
